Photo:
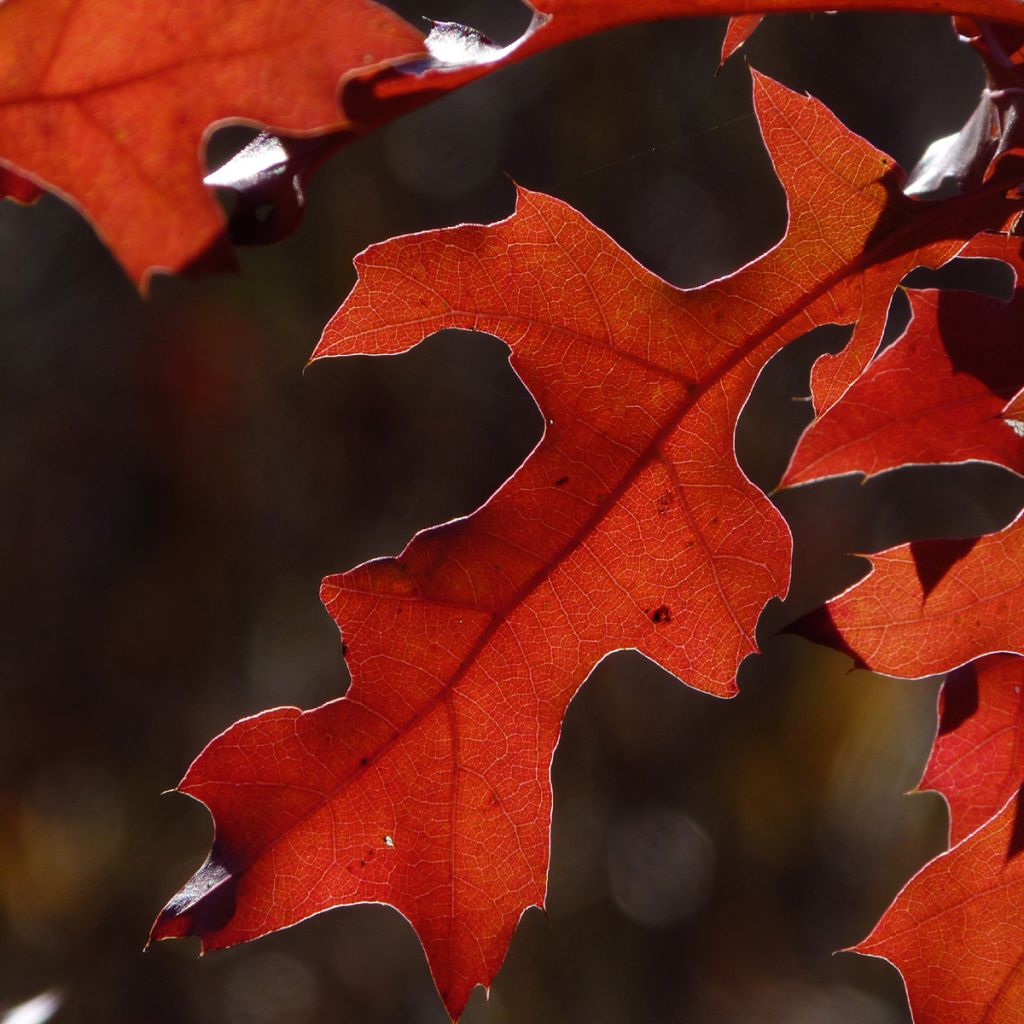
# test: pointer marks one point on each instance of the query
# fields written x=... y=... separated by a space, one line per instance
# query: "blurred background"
x=173 y=486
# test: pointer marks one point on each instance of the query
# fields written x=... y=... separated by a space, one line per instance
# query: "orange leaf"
x=461 y=56
x=738 y=31
x=977 y=761
x=935 y=396
x=629 y=526
x=956 y=933
x=108 y=103
x=930 y=606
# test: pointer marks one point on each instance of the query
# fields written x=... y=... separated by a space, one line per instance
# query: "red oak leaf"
x=935 y=396
x=108 y=103
x=956 y=933
x=629 y=526
x=930 y=606
x=834 y=373
x=977 y=762
x=738 y=31
x=109 y=109
x=274 y=172
x=462 y=55
x=374 y=99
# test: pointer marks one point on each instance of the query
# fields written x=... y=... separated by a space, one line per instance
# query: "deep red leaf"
x=108 y=102
x=956 y=932
x=925 y=608
x=738 y=31
x=461 y=55
x=630 y=525
x=935 y=396
x=977 y=762
x=109 y=105
x=930 y=606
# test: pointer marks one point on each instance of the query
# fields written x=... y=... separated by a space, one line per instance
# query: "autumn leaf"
x=977 y=762
x=834 y=373
x=109 y=107
x=925 y=608
x=955 y=932
x=738 y=31
x=460 y=55
x=930 y=606
x=968 y=157
x=629 y=526
x=375 y=99
x=108 y=103
x=935 y=396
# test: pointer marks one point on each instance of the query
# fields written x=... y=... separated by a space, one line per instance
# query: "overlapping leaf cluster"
x=630 y=525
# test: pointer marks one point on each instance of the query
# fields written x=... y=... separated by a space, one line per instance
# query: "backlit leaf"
x=977 y=762
x=930 y=606
x=956 y=933
x=934 y=396
x=739 y=30
x=108 y=103
x=629 y=526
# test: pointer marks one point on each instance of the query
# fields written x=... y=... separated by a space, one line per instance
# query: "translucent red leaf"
x=460 y=55
x=737 y=32
x=629 y=526
x=109 y=103
x=977 y=762
x=930 y=606
x=934 y=396
x=956 y=932
x=559 y=21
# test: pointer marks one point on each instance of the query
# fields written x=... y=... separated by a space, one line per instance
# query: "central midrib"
x=930 y=212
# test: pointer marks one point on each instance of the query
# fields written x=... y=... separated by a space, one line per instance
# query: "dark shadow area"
x=1017 y=834
x=960 y=700
x=935 y=559
x=969 y=326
